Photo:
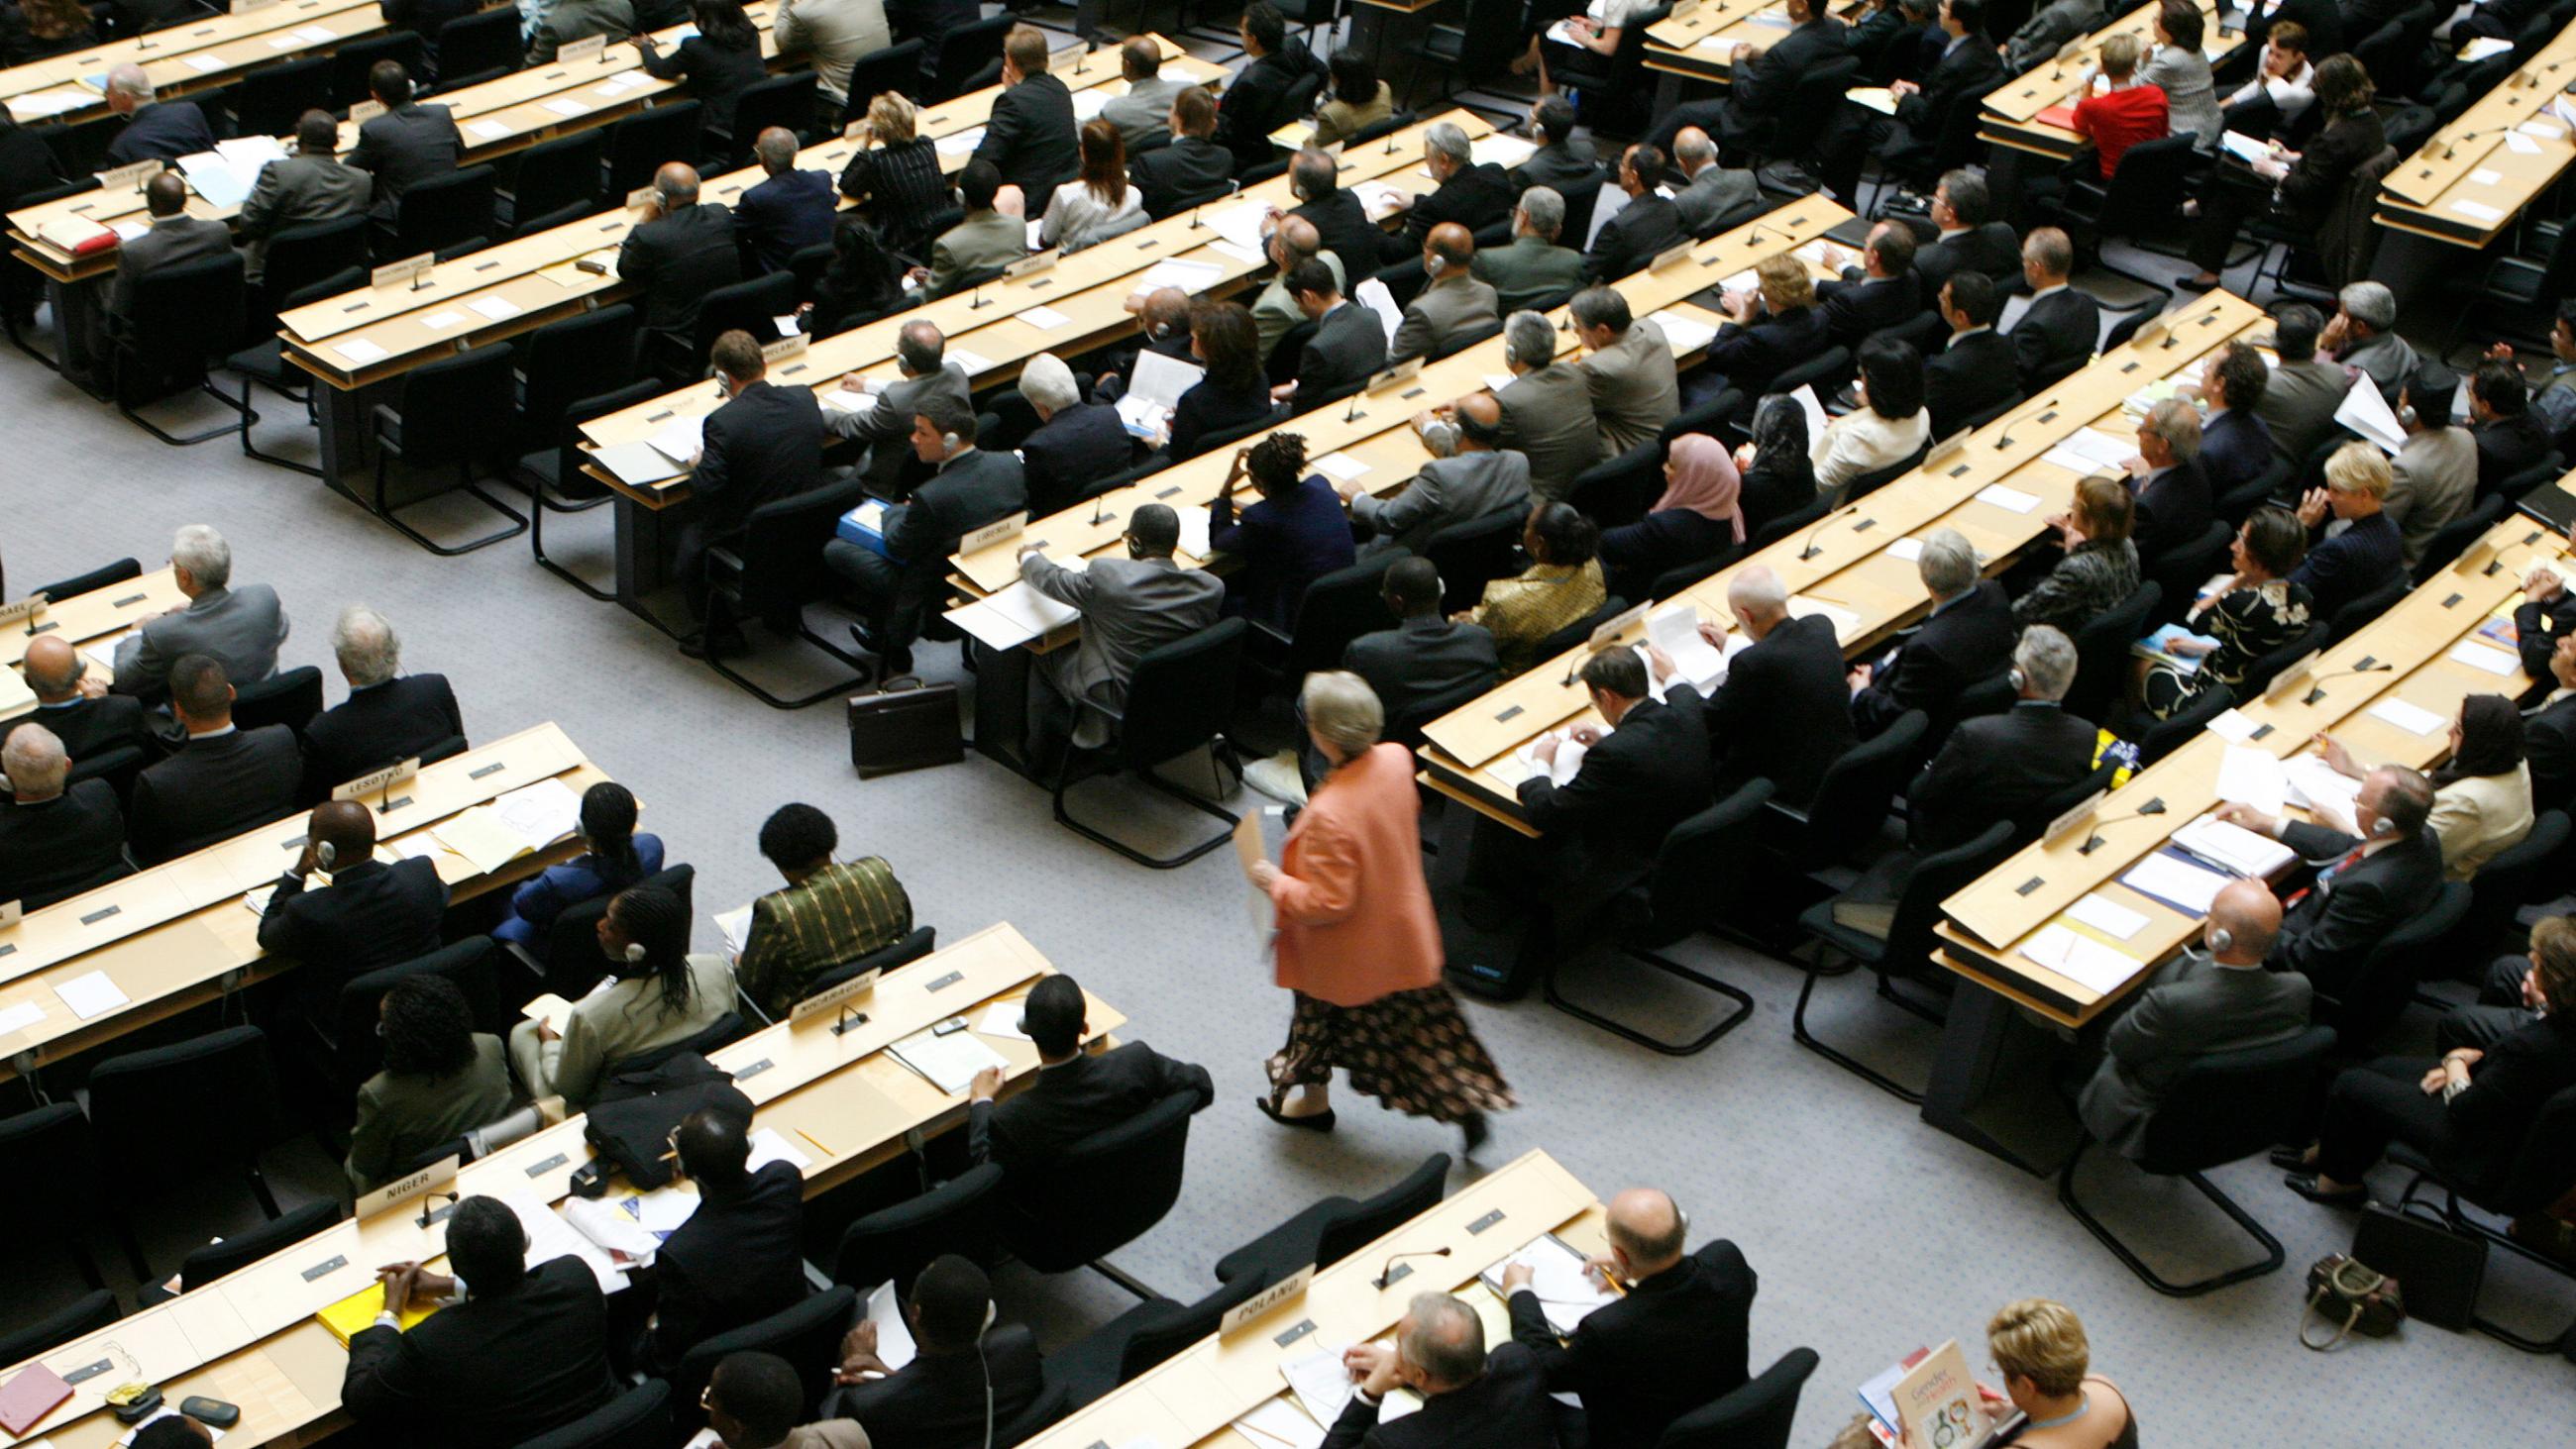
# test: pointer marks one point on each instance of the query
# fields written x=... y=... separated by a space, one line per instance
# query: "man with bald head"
x=920 y=353
x=1469 y=1400
x=1673 y=1343
x=2215 y=999
x=1470 y=474
x=57 y=839
x=1715 y=198
x=1274 y=312
x=222 y=782
x=1452 y=304
x=74 y=702
x=789 y=210
x=175 y=237
x=366 y=913
x=682 y=250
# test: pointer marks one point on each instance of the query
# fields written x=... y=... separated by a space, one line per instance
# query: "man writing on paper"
x=1129 y=606
x=2217 y=999
x=1675 y=1342
x=1075 y=1093
x=1469 y=1401
x=1645 y=771
x=2370 y=886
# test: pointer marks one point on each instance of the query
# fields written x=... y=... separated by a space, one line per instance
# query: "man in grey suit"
x=2299 y=403
x=1630 y=371
x=409 y=144
x=1349 y=341
x=2362 y=335
x=1142 y=115
x=311 y=185
x=1471 y=475
x=1715 y=197
x=1533 y=268
x=1425 y=655
x=175 y=237
x=239 y=629
x=2196 y=1006
x=1275 y=314
x=917 y=355
x=1453 y=303
x=1547 y=408
x=1561 y=161
x=567 y=21
x=986 y=239
x=1129 y=606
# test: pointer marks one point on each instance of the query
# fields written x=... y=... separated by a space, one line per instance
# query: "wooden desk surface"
x=169 y=936
x=1993 y=918
x=2012 y=109
x=837 y=1099
x=184 y=58
x=2470 y=179
x=1702 y=43
x=95 y=615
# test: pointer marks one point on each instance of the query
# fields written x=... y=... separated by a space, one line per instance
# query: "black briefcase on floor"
x=905 y=725
x=2442 y=1270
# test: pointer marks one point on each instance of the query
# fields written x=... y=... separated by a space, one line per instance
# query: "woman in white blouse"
x=2285 y=78
x=1890 y=424
x=1099 y=204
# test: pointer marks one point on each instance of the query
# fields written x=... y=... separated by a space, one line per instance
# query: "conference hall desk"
x=2011 y=113
x=181 y=60
x=1697 y=41
x=357 y=343
x=95 y=620
x=1072 y=305
x=1191 y=1400
x=838 y=1100
x=1851 y=566
x=2470 y=179
x=1988 y=925
x=178 y=934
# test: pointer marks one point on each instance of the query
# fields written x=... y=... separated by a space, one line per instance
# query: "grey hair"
x=1528 y=337
x=1948 y=563
x=1757 y=590
x=676 y=192
x=2052 y=249
x=366 y=646
x=776 y=148
x=1545 y=208
x=1445 y=138
x=2046 y=659
x=1049 y=383
x=2371 y=304
x=919 y=347
x=130 y=80
x=1447 y=1340
x=1341 y=708
x=2178 y=423
x=1700 y=150
x=34 y=761
x=204 y=554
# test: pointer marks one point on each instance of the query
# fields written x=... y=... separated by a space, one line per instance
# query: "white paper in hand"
x=895 y=1348
x=2365 y=412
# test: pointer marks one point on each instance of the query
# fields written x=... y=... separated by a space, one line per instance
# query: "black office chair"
x=808 y=1336
x=351 y=62
x=782 y=100
x=963 y=52
x=2536 y=1177
x=52 y=1145
x=1672 y=581
x=2179 y=572
x=893 y=1244
x=640 y=144
x=299 y=256
x=2134 y=205
x=443 y=213
x=473 y=49
x=1905 y=951
x=1125 y=1347
x=1754 y=1416
x=552 y=175
x=919 y=943
x=1851 y=801
x=1477 y=48
x=567 y=962
x=105 y=576
x=231 y=1255
x=1190 y=201
x=188 y=1109
x=712 y=1037
x=1864 y=484
x=291 y=697
x=85 y=1315
x=21 y=288
x=186 y=319
x=1790 y=144
x=2239 y=502
x=1100 y=1193
x=2102 y=653
x=639 y=1418
x=2357 y=614
x=1178 y=700
x=2363 y=1007
x=1336 y=609
x=1335 y=1228
x=2453 y=538
x=2510 y=879
x=1473 y=554
x=1050 y=1405
x=2260 y=674
x=445 y=419
x=556 y=476
x=775 y=568
x=356 y=1052
x=268 y=101
x=1797 y=520
x=1695 y=885
x=895 y=68
x=2162 y=737
x=2218 y=1109
x=1618 y=490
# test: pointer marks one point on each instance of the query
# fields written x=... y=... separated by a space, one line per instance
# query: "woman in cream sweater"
x=659 y=994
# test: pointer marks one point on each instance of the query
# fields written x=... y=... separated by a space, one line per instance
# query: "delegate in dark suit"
x=1080 y=444
x=1973 y=373
x=784 y=215
x=171 y=241
x=405 y=146
x=1425 y=657
x=1645 y=227
x=674 y=260
x=50 y=849
x=1074 y=1098
x=161 y=131
x=494 y=1369
x=1765 y=84
x=1342 y=223
x=2508 y=447
x=1784 y=712
x=2056 y=332
x=764 y=444
x=1190 y=166
x=1505 y=1408
x=215 y=787
x=1348 y=345
x=1643 y=778
x=1030 y=138
x=1991 y=249
x=371 y=914
x=1861 y=304
x=1996 y=767
x=1475 y=196
x=1748 y=357
x=379 y=725
x=2549 y=747
x=970 y=490
x=2194 y=1008
x=2173 y=509
x=1677 y=1340
x=91 y=727
x=2235 y=448
x=938 y=1401
x=2351 y=907
x=1965 y=641
x=736 y=1261
x=1256 y=103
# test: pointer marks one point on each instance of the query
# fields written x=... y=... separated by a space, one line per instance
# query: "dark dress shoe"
x=1477 y=1130
x=1311 y=1122
x=2193 y=283
x=2305 y=1185
x=2292 y=1159
x=890 y=662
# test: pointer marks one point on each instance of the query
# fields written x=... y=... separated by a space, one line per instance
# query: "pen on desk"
x=819 y=1147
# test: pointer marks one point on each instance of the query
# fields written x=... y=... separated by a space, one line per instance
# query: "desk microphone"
x=2003 y=436
x=2453 y=144
x=1195 y=223
x=2093 y=838
x=1811 y=550
x=2316 y=690
x=1386 y=1274
x=32 y=614
x=426 y=1211
x=976 y=303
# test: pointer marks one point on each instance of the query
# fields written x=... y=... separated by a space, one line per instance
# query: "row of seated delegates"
x=2038 y=1347
x=2296 y=188
x=2548 y=645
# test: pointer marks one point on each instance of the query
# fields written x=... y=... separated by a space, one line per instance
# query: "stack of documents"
x=1240 y=224
x=2088 y=450
x=1696 y=662
x=1380 y=199
x=1565 y=1290
x=950 y=1062
x=542 y=813
x=1321 y=1382
x=1191 y=277
x=1154 y=391
x=681 y=439
x=2175 y=879
x=637 y=465
x=1013 y=616
x=2081 y=959
x=1685 y=334
x=550 y=1237
x=2233 y=847
x=2322 y=790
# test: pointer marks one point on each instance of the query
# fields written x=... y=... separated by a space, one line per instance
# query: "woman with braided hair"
x=1295 y=535
x=662 y=993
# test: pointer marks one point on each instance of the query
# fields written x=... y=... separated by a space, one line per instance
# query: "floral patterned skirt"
x=1411 y=1050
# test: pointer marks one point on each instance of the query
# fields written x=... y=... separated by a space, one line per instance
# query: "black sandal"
x=1311 y=1122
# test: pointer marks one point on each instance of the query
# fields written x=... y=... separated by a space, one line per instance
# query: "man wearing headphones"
x=366 y=914
x=1468 y=1398
x=76 y=704
x=918 y=352
x=2216 y=999
x=968 y=1379
x=765 y=444
x=970 y=488
x=1471 y=474
x=1547 y=408
x=2002 y=766
x=2369 y=886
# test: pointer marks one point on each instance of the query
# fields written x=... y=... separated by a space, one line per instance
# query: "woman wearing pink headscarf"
x=1696 y=522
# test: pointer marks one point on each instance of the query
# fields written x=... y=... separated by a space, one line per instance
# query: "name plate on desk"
x=378 y=781
x=131 y=177
x=251 y=7
x=995 y=532
x=1682 y=10
x=361 y=112
x=826 y=1000
x=1029 y=268
x=641 y=196
x=785 y=348
x=1404 y=371
x=1265 y=1300
x=1670 y=256
x=23 y=610
x=582 y=49
x=11 y=912
x=404 y=272
x=403 y=1189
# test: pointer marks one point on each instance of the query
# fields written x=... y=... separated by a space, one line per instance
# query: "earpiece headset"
x=635 y=953
x=1431 y=265
x=948 y=441
x=2383 y=826
x=1479 y=432
x=2220 y=938
x=324 y=852
x=2015 y=676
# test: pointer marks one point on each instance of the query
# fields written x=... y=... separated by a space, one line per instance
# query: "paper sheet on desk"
x=2107 y=916
x=1497 y=149
x=895 y=1348
x=2322 y=789
x=1845 y=622
x=1684 y=334
x=2010 y=499
x=482 y=838
x=91 y=995
x=2479 y=656
x=2098 y=968
x=1566 y=1292
x=550 y=1237
x=681 y=439
x=38 y=105
x=622 y=1228
x=2233 y=847
x=961 y=144
x=1191 y=277
x=1087 y=104
x=2089 y=450
x=1240 y=225
x=2185 y=885
x=1380 y=199
x=2248 y=776
x=768 y=1147
x=950 y=1062
x=1013 y=616
x=636 y=465
x=1002 y=1018
x=2233 y=726
x=2414 y=719
x=1322 y=1385
x=219 y=179
x=20 y=1017
x=1278 y=1423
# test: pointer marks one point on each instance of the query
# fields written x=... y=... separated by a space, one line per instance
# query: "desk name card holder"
x=1682 y=10
x=1268 y=1298
x=593 y=47
x=840 y=996
x=362 y=112
x=23 y=612
x=381 y=783
x=1029 y=267
x=2064 y=825
x=642 y=196
x=1670 y=256
x=1001 y=530
x=11 y=913
x=412 y=270
x=403 y=1189
x=132 y=175
x=786 y=348
x=2283 y=682
x=252 y=7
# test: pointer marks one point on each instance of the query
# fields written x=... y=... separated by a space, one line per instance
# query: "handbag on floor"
x=905 y=725
x=2354 y=1298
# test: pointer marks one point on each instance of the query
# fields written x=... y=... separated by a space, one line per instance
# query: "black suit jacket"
x=1861 y=304
x=2059 y=329
x=784 y=215
x=1749 y=357
x=2507 y=446
x=2235 y=448
x=1348 y=345
x=1421 y=659
x=2325 y=936
x=487 y=1370
x=63 y=846
x=1766 y=82
x=1784 y=712
x=27 y=165
x=1507 y=1408
x=2322 y=18
x=1965 y=71
x=371 y=915
x=1991 y=249
x=1071 y=1100
x=937 y=1400
x=1256 y=103
x=764 y=444
x=410 y=144
x=1030 y=138
x=2549 y=747
x=378 y=726
x=1642 y=779
x=737 y=1260
x=1643 y=229
x=1344 y=226
x=213 y=789
x=1475 y=198
x=1996 y=767
x=1966 y=377
x=163 y=130
x=1675 y=1342
x=1190 y=166
x=674 y=261
x=2537 y=629
x=1968 y=642
x=89 y=727
x=1082 y=444
x=2172 y=511
x=2507 y=1088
